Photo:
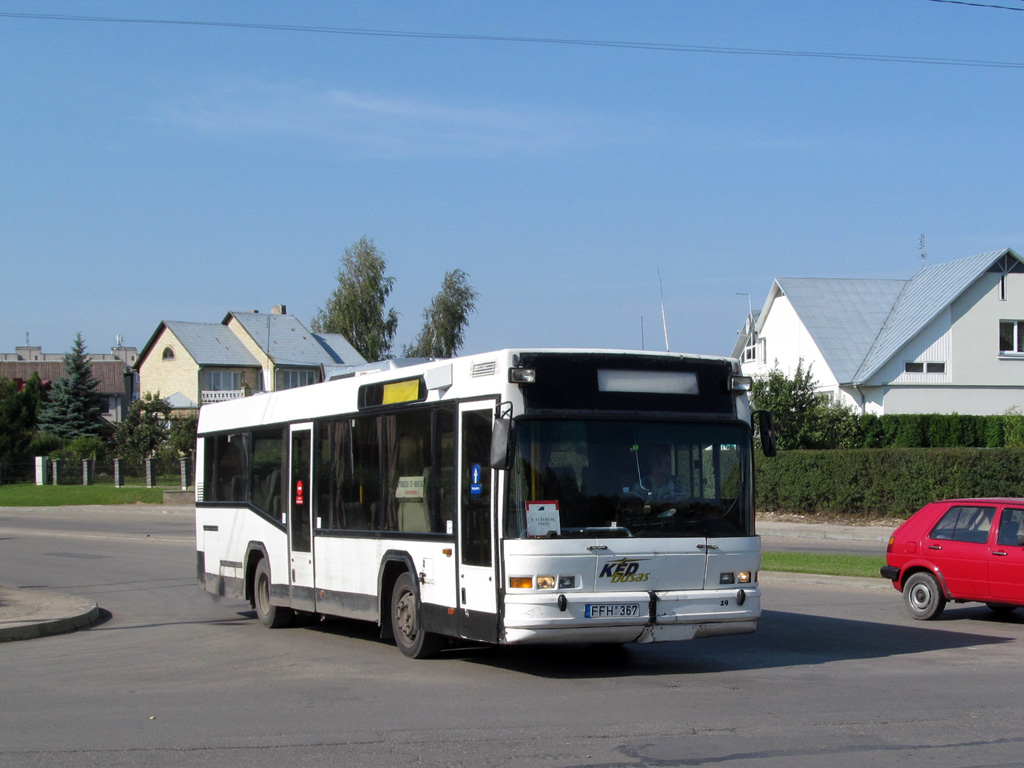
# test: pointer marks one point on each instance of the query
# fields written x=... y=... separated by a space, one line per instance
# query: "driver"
x=657 y=483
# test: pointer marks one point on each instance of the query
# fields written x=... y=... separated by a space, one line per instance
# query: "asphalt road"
x=835 y=675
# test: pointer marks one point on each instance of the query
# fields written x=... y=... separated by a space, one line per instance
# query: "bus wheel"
x=411 y=639
x=270 y=615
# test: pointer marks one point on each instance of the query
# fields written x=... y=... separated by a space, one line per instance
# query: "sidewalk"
x=29 y=613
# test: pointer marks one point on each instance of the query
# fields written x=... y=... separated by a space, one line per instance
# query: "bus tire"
x=411 y=639
x=270 y=615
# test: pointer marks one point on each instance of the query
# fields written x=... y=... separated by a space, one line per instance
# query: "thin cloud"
x=389 y=126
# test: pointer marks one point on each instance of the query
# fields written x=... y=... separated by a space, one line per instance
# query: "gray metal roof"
x=178 y=401
x=860 y=324
x=925 y=295
x=340 y=349
x=843 y=316
x=211 y=344
x=288 y=342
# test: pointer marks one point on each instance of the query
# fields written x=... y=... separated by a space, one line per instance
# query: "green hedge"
x=937 y=430
x=889 y=482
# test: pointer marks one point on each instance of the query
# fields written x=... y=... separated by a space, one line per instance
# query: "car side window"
x=969 y=524
x=1011 y=525
x=946 y=525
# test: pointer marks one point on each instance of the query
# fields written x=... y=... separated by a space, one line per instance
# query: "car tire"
x=923 y=596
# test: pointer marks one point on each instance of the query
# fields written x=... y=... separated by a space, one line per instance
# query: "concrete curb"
x=26 y=614
x=852 y=582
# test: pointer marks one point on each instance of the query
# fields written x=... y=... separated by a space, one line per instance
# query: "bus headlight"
x=743 y=577
x=546 y=582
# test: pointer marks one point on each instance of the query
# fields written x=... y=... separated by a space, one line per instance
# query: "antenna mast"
x=924 y=253
x=664 y=323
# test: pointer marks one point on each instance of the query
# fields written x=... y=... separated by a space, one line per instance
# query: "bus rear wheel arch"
x=406 y=626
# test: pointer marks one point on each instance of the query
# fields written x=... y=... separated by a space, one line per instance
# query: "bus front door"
x=477 y=588
x=300 y=513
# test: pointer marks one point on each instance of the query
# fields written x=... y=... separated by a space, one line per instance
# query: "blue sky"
x=155 y=171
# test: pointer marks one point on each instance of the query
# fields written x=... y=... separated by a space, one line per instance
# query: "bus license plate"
x=611 y=610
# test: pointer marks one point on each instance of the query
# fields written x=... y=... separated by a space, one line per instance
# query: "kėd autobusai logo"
x=624 y=571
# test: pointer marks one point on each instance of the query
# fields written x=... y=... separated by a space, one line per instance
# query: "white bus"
x=519 y=496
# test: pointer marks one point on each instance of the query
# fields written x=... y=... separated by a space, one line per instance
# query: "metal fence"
x=151 y=473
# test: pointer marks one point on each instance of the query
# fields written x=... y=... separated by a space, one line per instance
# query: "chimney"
x=279 y=309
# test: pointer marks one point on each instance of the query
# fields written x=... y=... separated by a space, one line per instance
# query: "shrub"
x=884 y=482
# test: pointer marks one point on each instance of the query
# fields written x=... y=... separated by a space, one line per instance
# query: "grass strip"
x=29 y=495
x=826 y=564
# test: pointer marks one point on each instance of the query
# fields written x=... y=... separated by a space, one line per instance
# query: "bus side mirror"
x=766 y=427
x=501 y=443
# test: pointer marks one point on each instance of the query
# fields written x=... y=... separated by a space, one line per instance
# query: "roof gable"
x=925 y=295
x=206 y=343
x=859 y=324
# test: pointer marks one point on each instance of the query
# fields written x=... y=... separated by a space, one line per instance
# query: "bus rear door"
x=300 y=512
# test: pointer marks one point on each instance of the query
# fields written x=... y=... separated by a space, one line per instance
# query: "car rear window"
x=963 y=523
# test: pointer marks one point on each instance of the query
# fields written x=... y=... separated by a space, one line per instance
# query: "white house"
x=948 y=340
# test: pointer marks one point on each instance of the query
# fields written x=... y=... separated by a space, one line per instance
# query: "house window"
x=221 y=381
x=1011 y=337
x=168 y=354
x=750 y=350
x=289 y=378
x=1002 y=287
x=924 y=367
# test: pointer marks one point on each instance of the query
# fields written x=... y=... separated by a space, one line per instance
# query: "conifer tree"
x=75 y=404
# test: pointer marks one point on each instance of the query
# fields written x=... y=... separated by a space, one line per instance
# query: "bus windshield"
x=588 y=478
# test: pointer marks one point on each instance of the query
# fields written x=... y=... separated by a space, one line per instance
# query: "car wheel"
x=923 y=596
x=1001 y=607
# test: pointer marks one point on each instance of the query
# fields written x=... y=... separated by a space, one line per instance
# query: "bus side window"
x=267 y=475
x=365 y=494
x=444 y=488
x=226 y=467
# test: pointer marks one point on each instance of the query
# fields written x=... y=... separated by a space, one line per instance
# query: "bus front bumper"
x=631 y=617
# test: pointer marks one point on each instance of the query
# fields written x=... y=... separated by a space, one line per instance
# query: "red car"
x=964 y=550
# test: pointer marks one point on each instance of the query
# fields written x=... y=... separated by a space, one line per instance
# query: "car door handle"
x=933 y=546
x=1000 y=554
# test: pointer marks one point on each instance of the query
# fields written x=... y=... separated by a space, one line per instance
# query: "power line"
x=980 y=5
x=664 y=47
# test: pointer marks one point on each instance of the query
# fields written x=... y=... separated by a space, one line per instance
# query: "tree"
x=75 y=404
x=444 y=321
x=358 y=306
x=804 y=417
x=18 y=416
x=144 y=430
x=182 y=438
